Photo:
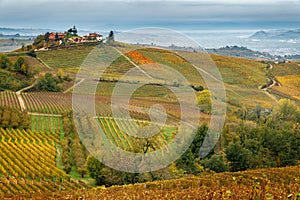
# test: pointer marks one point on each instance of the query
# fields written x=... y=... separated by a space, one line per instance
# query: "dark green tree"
x=111 y=36
x=49 y=83
x=15 y=119
x=47 y=36
x=217 y=163
x=95 y=169
x=25 y=122
x=73 y=31
x=66 y=155
x=21 y=66
x=187 y=161
x=6 y=116
x=56 y=37
x=238 y=156
x=5 y=63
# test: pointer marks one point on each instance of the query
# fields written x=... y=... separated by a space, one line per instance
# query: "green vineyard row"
x=117 y=131
x=46 y=123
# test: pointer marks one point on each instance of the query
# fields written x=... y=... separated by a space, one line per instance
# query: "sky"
x=127 y=14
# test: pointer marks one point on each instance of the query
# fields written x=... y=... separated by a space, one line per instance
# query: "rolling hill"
x=254 y=91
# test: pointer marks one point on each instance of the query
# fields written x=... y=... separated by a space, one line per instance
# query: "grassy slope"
x=242 y=77
x=13 y=81
x=66 y=58
x=17 y=81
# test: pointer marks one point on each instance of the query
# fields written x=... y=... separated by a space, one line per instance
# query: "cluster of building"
x=92 y=37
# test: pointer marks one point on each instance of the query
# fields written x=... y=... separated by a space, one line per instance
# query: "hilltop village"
x=66 y=38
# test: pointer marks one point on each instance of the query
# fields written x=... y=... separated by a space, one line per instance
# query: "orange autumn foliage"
x=140 y=59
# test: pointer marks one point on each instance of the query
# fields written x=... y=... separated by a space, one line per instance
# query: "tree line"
x=13 y=118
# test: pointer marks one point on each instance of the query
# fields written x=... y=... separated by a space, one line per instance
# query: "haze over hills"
x=4 y=31
x=281 y=44
x=277 y=35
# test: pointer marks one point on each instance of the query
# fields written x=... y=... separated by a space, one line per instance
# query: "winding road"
x=274 y=82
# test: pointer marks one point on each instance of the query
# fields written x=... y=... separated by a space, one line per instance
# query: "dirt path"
x=271 y=66
x=274 y=82
x=44 y=114
x=19 y=96
x=69 y=89
x=21 y=101
x=40 y=60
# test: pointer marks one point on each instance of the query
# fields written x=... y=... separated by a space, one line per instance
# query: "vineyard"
x=241 y=72
x=117 y=68
x=40 y=123
x=42 y=152
x=9 y=99
x=170 y=59
x=43 y=102
x=242 y=77
x=117 y=129
x=71 y=57
x=289 y=85
x=278 y=183
x=28 y=163
x=60 y=103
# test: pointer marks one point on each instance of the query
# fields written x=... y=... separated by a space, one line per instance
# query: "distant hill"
x=277 y=35
x=239 y=52
x=242 y=52
x=22 y=31
x=15 y=35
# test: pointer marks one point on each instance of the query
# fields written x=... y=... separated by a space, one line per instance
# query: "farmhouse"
x=92 y=37
x=60 y=36
x=96 y=36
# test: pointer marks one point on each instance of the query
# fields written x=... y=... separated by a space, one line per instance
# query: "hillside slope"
x=280 y=183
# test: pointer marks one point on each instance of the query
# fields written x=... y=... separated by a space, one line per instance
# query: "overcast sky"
x=125 y=14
